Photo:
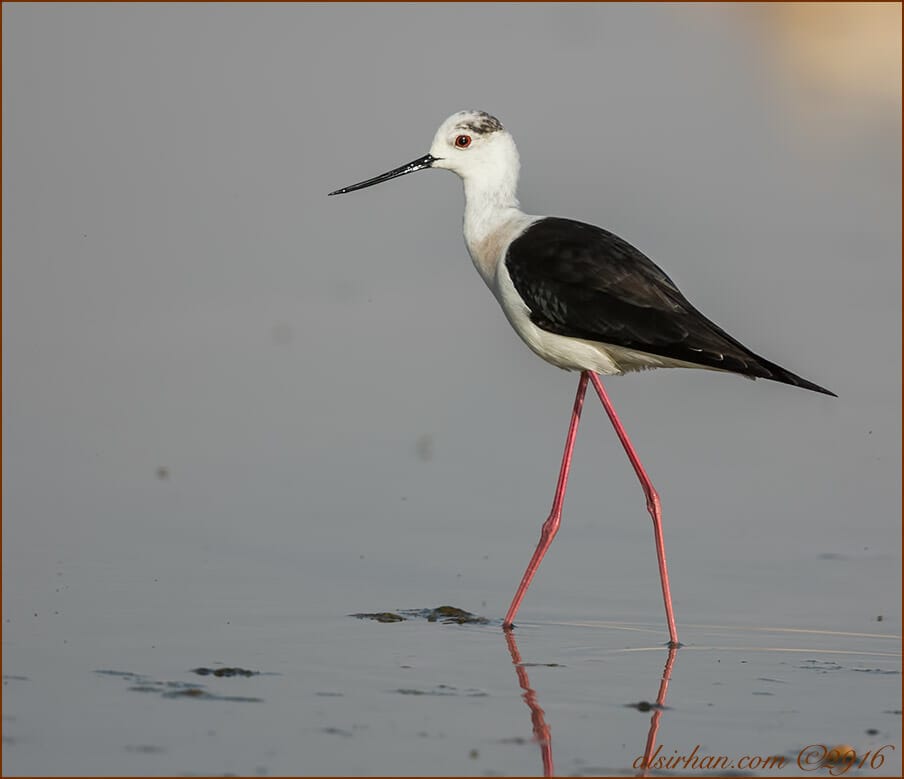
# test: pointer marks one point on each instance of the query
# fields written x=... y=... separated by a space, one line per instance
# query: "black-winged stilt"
x=580 y=297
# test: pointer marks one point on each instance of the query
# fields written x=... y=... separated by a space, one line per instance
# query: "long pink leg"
x=551 y=526
x=653 y=505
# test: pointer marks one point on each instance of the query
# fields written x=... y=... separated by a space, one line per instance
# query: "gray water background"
x=235 y=411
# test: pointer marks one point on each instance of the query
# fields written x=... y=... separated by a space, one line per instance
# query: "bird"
x=581 y=298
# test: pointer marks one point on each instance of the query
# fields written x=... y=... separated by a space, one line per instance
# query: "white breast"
x=570 y=354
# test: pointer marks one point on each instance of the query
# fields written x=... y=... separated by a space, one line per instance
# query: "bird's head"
x=472 y=144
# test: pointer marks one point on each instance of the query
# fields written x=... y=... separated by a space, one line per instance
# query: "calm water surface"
x=236 y=412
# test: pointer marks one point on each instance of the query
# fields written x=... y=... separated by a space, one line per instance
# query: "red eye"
x=463 y=141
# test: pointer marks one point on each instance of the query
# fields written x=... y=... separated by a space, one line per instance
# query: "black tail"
x=763 y=369
x=748 y=363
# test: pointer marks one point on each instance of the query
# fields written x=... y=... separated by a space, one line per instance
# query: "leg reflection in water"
x=657 y=711
x=541 y=730
x=537 y=718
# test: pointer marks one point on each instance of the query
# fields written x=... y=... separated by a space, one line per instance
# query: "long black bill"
x=419 y=164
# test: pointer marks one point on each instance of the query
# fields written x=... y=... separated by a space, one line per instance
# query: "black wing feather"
x=581 y=281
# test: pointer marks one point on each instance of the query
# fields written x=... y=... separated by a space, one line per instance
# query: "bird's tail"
x=774 y=372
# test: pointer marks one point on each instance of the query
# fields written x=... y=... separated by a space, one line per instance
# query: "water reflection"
x=537 y=718
x=658 y=709
x=541 y=731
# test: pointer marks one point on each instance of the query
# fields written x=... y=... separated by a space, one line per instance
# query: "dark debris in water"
x=453 y=615
x=144 y=688
x=180 y=690
x=184 y=692
x=121 y=674
x=448 y=615
x=381 y=616
x=824 y=666
x=443 y=689
x=221 y=672
x=645 y=706
x=337 y=732
x=174 y=689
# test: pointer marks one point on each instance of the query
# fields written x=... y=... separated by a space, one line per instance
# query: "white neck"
x=491 y=214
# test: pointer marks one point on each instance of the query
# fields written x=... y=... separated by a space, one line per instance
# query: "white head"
x=473 y=145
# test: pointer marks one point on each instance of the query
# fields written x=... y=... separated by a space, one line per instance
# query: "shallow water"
x=574 y=698
x=236 y=412
x=98 y=675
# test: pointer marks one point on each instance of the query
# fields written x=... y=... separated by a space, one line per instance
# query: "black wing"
x=582 y=281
